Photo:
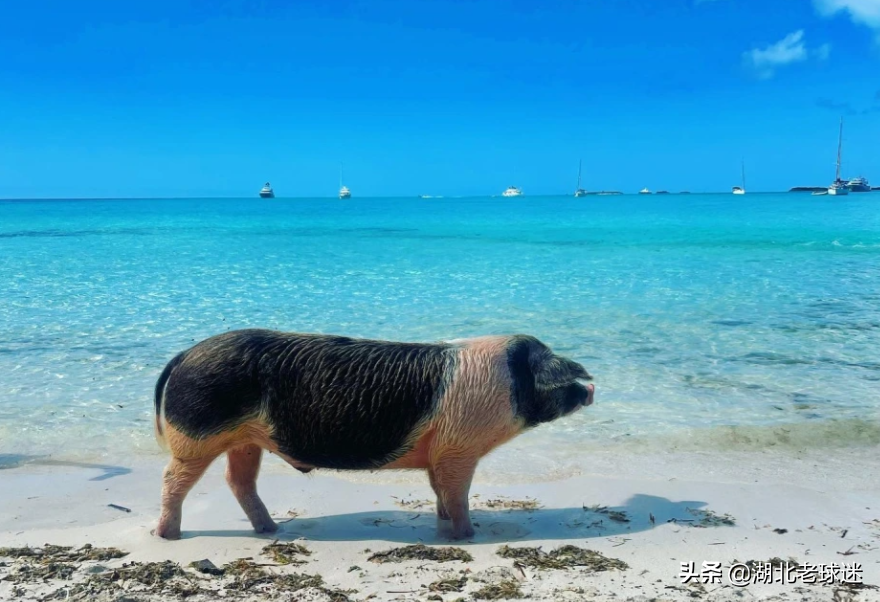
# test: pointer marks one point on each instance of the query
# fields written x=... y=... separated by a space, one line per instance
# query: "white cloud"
x=866 y=12
x=790 y=49
x=823 y=52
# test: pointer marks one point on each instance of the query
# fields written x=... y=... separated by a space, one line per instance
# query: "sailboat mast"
x=580 y=161
x=744 y=173
x=839 y=148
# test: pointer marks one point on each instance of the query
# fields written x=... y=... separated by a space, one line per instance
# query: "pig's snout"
x=591 y=391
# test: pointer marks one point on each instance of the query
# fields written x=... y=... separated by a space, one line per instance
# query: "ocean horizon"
x=709 y=321
x=358 y=197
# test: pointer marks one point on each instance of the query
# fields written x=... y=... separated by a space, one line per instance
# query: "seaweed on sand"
x=708 y=518
x=421 y=552
x=504 y=590
x=157 y=577
x=30 y=571
x=449 y=585
x=502 y=503
x=286 y=553
x=52 y=553
x=52 y=562
x=562 y=558
x=248 y=576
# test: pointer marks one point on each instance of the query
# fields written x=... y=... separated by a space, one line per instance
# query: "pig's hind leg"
x=179 y=478
x=243 y=466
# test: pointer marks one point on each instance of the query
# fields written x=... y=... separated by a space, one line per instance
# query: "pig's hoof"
x=269 y=527
x=463 y=532
x=167 y=532
x=442 y=514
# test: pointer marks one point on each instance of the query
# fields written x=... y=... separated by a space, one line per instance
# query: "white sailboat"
x=741 y=189
x=839 y=187
x=644 y=191
x=579 y=192
x=344 y=192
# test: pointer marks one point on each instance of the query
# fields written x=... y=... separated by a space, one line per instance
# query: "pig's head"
x=545 y=386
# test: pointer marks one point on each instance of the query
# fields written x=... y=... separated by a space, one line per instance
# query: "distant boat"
x=858 y=185
x=644 y=191
x=512 y=191
x=266 y=192
x=662 y=192
x=839 y=187
x=579 y=192
x=741 y=189
x=344 y=192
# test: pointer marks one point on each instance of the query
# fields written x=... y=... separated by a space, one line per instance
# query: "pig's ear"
x=548 y=368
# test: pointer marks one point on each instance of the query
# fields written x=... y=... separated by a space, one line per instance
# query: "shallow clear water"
x=709 y=321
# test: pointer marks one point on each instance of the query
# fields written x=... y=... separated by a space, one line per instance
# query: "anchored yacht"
x=839 y=186
x=859 y=185
x=579 y=192
x=344 y=192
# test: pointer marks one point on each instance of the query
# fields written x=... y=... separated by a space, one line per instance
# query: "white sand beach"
x=651 y=512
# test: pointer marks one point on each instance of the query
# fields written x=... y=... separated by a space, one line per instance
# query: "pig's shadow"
x=492 y=526
x=17 y=460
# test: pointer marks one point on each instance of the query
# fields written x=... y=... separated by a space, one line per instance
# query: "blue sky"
x=203 y=98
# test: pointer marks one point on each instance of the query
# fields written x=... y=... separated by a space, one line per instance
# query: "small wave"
x=812 y=434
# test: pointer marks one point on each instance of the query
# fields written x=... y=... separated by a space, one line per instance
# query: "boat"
x=741 y=189
x=512 y=191
x=344 y=192
x=579 y=192
x=859 y=184
x=839 y=187
x=644 y=191
x=266 y=192
x=821 y=192
x=662 y=192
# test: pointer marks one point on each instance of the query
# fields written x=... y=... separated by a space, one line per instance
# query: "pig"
x=333 y=402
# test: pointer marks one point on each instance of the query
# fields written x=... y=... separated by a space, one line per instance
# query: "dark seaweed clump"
x=562 y=558
x=51 y=553
x=248 y=576
x=52 y=562
x=286 y=553
x=505 y=590
x=158 y=577
x=421 y=552
x=448 y=585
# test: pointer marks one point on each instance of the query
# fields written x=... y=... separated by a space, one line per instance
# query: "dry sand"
x=651 y=513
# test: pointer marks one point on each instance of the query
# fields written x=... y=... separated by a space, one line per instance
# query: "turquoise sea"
x=710 y=321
